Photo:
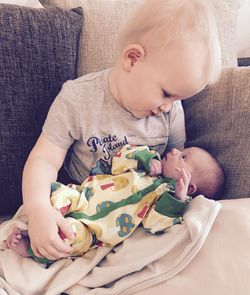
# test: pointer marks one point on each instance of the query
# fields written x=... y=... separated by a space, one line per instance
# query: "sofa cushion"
x=218 y=119
x=38 y=50
x=103 y=18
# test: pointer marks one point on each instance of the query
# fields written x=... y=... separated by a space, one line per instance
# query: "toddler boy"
x=168 y=51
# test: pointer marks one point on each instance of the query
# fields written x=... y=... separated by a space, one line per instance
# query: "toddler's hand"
x=43 y=227
x=182 y=183
x=155 y=167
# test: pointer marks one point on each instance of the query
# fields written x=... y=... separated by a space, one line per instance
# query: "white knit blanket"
x=138 y=263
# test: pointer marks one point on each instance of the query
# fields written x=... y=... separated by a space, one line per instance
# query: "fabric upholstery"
x=103 y=18
x=38 y=51
x=218 y=119
x=28 y=3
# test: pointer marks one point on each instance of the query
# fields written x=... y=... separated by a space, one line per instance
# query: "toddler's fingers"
x=36 y=251
x=46 y=254
x=66 y=228
x=52 y=253
x=61 y=246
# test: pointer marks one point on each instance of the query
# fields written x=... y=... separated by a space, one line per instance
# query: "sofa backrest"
x=103 y=19
x=38 y=52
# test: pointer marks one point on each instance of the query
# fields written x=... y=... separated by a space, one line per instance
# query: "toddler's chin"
x=142 y=115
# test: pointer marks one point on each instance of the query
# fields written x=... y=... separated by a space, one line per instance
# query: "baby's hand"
x=182 y=183
x=155 y=167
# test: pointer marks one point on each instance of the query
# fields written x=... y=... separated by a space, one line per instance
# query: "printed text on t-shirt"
x=106 y=144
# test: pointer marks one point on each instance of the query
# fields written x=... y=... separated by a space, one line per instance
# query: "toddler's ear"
x=131 y=55
x=192 y=188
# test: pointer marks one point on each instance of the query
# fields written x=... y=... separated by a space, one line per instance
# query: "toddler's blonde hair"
x=157 y=23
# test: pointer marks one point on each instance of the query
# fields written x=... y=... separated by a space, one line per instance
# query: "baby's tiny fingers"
x=179 y=171
x=181 y=182
x=186 y=172
x=186 y=176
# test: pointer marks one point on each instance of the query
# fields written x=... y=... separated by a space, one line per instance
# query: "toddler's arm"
x=44 y=221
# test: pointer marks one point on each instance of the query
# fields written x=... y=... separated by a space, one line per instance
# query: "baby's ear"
x=192 y=188
x=131 y=55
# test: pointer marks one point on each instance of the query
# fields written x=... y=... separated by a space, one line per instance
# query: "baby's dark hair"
x=211 y=179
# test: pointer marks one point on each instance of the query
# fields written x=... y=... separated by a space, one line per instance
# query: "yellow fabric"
x=101 y=191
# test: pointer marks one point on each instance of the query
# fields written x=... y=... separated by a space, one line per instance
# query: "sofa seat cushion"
x=38 y=51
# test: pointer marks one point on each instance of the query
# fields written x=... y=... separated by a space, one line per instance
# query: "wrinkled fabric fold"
x=140 y=261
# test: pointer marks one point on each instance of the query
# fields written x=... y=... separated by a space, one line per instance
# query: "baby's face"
x=189 y=158
x=162 y=77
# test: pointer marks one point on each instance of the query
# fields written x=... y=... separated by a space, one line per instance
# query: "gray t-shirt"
x=88 y=121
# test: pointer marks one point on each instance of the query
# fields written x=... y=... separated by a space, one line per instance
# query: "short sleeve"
x=177 y=133
x=62 y=123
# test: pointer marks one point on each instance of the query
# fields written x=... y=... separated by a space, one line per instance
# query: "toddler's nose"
x=165 y=107
x=156 y=111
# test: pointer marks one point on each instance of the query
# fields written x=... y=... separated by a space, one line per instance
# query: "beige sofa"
x=216 y=119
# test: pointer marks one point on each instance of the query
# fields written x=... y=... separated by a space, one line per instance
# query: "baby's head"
x=168 y=50
x=207 y=177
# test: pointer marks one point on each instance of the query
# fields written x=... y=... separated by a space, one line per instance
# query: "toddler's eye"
x=165 y=93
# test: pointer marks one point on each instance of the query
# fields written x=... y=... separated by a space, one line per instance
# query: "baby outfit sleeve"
x=133 y=157
x=166 y=212
x=62 y=126
x=177 y=134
